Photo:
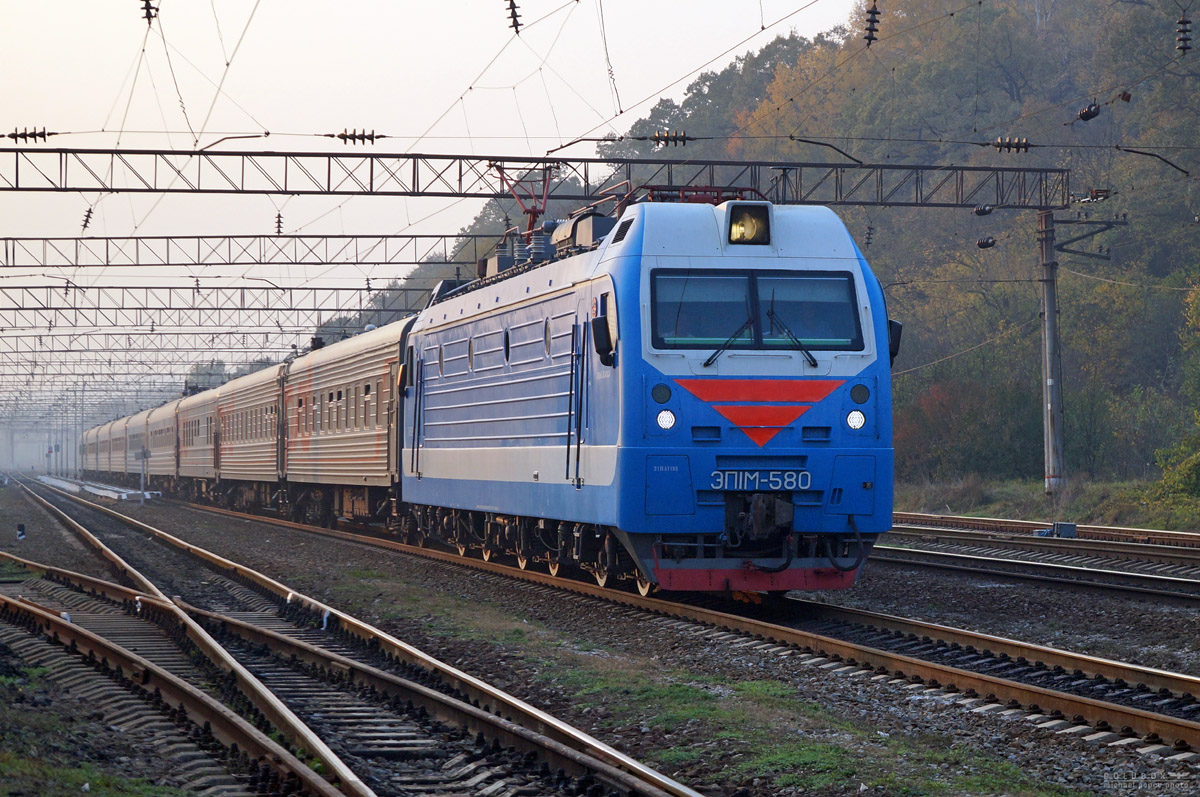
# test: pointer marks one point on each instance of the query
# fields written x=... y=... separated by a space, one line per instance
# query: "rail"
x=527 y=716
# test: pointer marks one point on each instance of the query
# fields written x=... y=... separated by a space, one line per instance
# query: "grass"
x=1127 y=503
x=768 y=730
x=39 y=751
x=365 y=575
x=808 y=766
x=47 y=778
x=11 y=571
x=26 y=678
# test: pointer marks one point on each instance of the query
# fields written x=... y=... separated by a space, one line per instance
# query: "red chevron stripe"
x=806 y=390
x=762 y=422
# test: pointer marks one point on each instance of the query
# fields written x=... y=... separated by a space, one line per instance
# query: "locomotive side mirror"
x=895 y=330
x=602 y=340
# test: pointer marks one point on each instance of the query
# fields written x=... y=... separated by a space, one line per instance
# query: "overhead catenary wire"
x=612 y=78
x=175 y=81
x=989 y=341
x=696 y=69
x=571 y=5
x=208 y=115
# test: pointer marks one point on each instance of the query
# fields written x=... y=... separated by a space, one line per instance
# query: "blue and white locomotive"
x=694 y=397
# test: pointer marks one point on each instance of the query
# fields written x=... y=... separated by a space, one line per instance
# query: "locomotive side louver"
x=622 y=231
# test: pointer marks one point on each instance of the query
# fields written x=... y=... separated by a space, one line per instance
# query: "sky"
x=436 y=77
x=447 y=77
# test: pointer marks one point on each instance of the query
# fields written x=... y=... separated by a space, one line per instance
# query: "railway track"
x=904 y=521
x=1107 y=702
x=1140 y=557
x=1087 y=573
x=1160 y=565
x=366 y=702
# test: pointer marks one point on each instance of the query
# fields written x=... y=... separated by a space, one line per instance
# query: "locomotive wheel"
x=644 y=587
x=487 y=554
x=522 y=562
x=606 y=561
x=462 y=549
x=553 y=567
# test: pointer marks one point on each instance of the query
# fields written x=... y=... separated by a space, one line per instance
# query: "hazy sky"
x=439 y=76
x=446 y=76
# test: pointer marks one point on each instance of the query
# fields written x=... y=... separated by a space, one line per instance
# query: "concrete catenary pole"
x=1052 y=407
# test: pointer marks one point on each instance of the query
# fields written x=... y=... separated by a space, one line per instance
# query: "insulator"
x=675 y=138
x=986 y=243
x=279 y=224
x=983 y=210
x=872 y=26
x=512 y=12
x=1011 y=144
x=87 y=218
x=25 y=134
x=1090 y=112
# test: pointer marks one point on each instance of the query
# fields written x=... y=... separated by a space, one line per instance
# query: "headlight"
x=856 y=420
x=749 y=224
x=666 y=419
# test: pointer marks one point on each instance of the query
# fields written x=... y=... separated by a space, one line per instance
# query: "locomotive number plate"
x=774 y=480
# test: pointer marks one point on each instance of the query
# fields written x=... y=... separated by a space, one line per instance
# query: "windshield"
x=694 y=309
x=700 y=310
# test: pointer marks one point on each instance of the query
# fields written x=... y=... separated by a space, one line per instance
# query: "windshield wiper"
x=712 y=358
x=808 y=355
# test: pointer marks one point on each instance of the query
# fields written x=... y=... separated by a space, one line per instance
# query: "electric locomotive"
x=691 y=397
x=694 y=397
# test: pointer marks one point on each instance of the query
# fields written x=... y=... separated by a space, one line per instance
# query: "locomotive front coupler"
x=758 y=517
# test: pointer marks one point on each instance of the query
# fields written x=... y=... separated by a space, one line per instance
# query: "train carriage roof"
x=386 y=335
x=268 y=374
x=168 y=409
x=198 y=400
x=139 y=419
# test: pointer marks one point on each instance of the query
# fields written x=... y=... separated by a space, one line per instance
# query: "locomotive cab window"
x=701 y=309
